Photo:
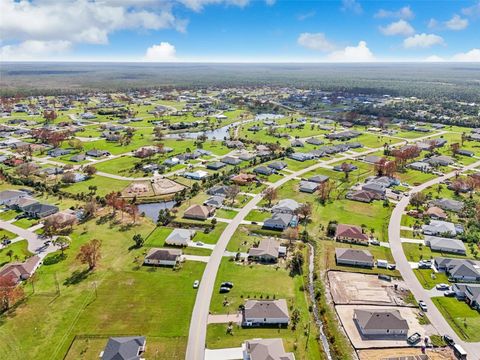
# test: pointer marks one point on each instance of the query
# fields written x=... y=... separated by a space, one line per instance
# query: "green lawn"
x=463 y=319
x=25 y=223
x=428 y=278
x=225 y=214
x=119 y=297
x=5 y=234
x=20 y=252
x=257 y=215
x=8 y=215
x=262 y=281
x=417 y=252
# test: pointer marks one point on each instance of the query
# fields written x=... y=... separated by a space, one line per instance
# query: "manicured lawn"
x=123 y=166
x=225 y=214
x=262 y=281
x=8 y=215
x=417 y=252
x=104 y=185
x=119 y=297
x=463 y=319
x=20 y=252
x=25 y=223
x=257 y=215
x=5 y=234
x=428 y=278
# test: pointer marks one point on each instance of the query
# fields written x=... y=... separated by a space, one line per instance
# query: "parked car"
x=196 y=283
x=392 y=266
x=414 y=338
x=375 y=242
x=442 y=287
x=224 y=290
x=448 y=339
x=6 y=242
x=449 y=293
x=384 y=277
x=424 y=264
x=422 y=305
x=199 y=243
x=226 y=284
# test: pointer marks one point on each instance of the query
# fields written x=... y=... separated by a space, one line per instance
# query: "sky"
x=240 y=30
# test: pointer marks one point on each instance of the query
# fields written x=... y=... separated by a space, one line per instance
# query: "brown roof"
x=353 y=254
x=198 y=211
x=436 y=211
x=350 y=231
x=17 y=271
x=265 y=247
x=267 y=349
x=164 y=254
x=266 y=308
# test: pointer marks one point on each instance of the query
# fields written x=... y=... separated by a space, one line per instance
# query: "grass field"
x=428 y=278
x=155 y=302
x=461 y=317
x=20 y=252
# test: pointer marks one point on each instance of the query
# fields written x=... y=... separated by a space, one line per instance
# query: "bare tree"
x=270 y=194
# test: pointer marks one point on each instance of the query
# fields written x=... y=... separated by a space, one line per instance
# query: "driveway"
x=225 y=318
x=405 y=268
x=36 y=244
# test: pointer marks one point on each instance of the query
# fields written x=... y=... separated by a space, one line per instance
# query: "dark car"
x=448 y=339
x=449 y=293
x=6 y=241
x=227 y=284
x=224 y=290
x=414 y=338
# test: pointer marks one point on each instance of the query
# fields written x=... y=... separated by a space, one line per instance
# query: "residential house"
x=438 y=227
x=215 y=201
x=375 y=188
x=78 y=158
x=163 y=257
x=18 y=271
x=38 y=210
x=266 y=312
x=20 y=204
x=447 y=245
x=472 y=296
x=319 y=179
x=314 y=141
x=216 y=165
x=9 y=195
x=277 y=165
x=198 y=212
x=97 y=153
x=124 y=348
x=388 y=322
x=268 y=250
x=465 y=152
x=460 y=270
x=440 y=160
x=301 y=156
x=243 y=179
x=230 y=160
x=265 y=349
x=195 y=175
x=180 y=237
x=351 y=234
x=363 y=196
x=372 y=159
x=280 y=221
x=448 y=204
x=437 y=213
x=420 y=166
x=58 y=152
x=345 y=167
x=308 y=186
x=287 y=206
x=297 y=143
x=220 y=190
x=354 y=257
x=263 y=170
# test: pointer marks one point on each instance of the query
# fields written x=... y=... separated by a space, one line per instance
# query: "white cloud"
x=403 y=13
x=456 y=23
x=359 y=53
x=34 y=50
x=469 y=56
x=434 y=58
x=432 y=23
x=400 y=27
x=422 y=41
x=473 y=11
x=161 y=52
x=352 y=5
x=315 y=41
x=198 y=5
x=80 y=21
x=270 y=2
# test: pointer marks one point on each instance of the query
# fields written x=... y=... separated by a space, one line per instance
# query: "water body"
x=152 y=210
x=261 y=117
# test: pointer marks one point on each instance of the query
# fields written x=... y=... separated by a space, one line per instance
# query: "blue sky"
x=240 y=30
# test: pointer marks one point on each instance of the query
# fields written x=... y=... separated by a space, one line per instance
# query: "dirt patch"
x=355 y=288
x=383 y=354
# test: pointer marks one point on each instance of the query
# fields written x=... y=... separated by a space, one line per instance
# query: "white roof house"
x=180 y=237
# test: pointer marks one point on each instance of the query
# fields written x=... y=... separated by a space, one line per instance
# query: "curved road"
x=198 y=322
x=434 y=315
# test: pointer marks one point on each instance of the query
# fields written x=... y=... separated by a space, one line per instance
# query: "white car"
x=196 y=283
x=442 y=287
x=422 y=305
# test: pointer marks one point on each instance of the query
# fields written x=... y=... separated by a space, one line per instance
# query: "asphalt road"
x=434 y=315
x=199 y=319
